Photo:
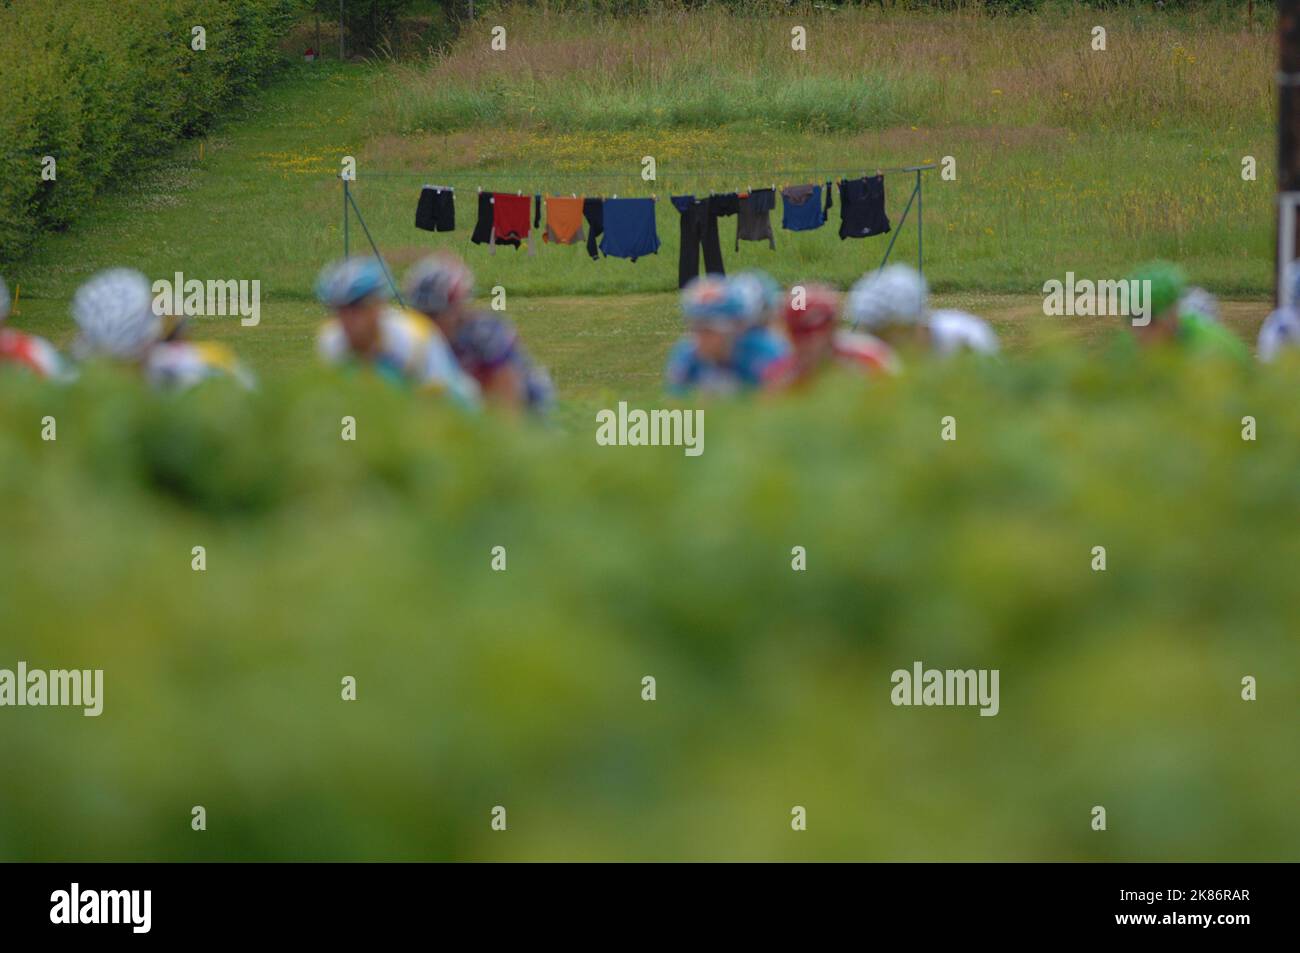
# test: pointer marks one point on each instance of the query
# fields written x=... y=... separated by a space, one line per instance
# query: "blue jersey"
x=687 y=372
x=760 y=357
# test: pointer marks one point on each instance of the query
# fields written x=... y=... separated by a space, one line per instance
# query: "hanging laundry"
x=510 y=219
x=563 y=220
x=483 y=232
x=801 y=208
x=436 y=211
x=862 y=207
x=629 y=228
x=510 y=216
x=593 y=210
x=727 y=203
x=755 y=222
x=699 y=231
x=537 y=211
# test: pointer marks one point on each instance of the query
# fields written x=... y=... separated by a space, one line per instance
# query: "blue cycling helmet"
x=714 y=299
x=766 y=297
x=351 y=280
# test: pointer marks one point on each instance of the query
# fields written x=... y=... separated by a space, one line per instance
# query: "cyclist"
x=809 y=314
x=28 y=351
x=893 y=304
x=367 y=331
x=486 y=346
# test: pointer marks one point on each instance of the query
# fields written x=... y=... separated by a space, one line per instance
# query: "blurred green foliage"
x=522 y=688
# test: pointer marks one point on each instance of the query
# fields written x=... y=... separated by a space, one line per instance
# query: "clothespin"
x=480 y=190
x=519 y=192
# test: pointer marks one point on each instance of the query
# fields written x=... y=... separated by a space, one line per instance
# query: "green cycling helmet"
x=1167 y=284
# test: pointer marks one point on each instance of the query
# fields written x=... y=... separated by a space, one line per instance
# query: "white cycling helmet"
x=1201 y=302
x=114 y=311
x=1281 y=330
x=893 y=295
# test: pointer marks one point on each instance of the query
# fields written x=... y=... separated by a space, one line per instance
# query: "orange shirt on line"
x=563 y=220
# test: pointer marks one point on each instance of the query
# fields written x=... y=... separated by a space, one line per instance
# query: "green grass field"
x=522 y=688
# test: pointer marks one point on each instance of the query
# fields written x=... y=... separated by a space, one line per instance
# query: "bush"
x=100 y=84
x=372 y=558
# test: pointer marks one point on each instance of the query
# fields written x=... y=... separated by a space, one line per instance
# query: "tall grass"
x=864 y=69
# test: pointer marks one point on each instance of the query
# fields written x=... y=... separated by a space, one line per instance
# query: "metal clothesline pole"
x=920 y=223
x=348 y=199
x=916 y=192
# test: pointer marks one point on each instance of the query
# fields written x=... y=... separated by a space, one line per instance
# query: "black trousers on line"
x=593 y=210
x=699 y=231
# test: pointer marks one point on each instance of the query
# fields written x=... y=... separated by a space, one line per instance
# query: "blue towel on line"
x=629 y=228
x=803 y=217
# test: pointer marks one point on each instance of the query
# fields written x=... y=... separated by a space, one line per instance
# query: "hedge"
x=99 y=84
x=523 y=687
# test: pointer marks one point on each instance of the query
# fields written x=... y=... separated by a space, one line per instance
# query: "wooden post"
x=1288 y=140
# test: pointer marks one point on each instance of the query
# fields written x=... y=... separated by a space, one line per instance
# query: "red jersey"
x=864 y=353
x=36 y=354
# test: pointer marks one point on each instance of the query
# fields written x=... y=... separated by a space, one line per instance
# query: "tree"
x=367 y=22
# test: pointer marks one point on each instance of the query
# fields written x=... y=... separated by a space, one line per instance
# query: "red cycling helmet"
x=810 y=308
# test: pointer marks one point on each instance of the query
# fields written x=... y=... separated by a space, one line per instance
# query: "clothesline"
x=627 y=228
x=680 y=173
x=629 y=224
